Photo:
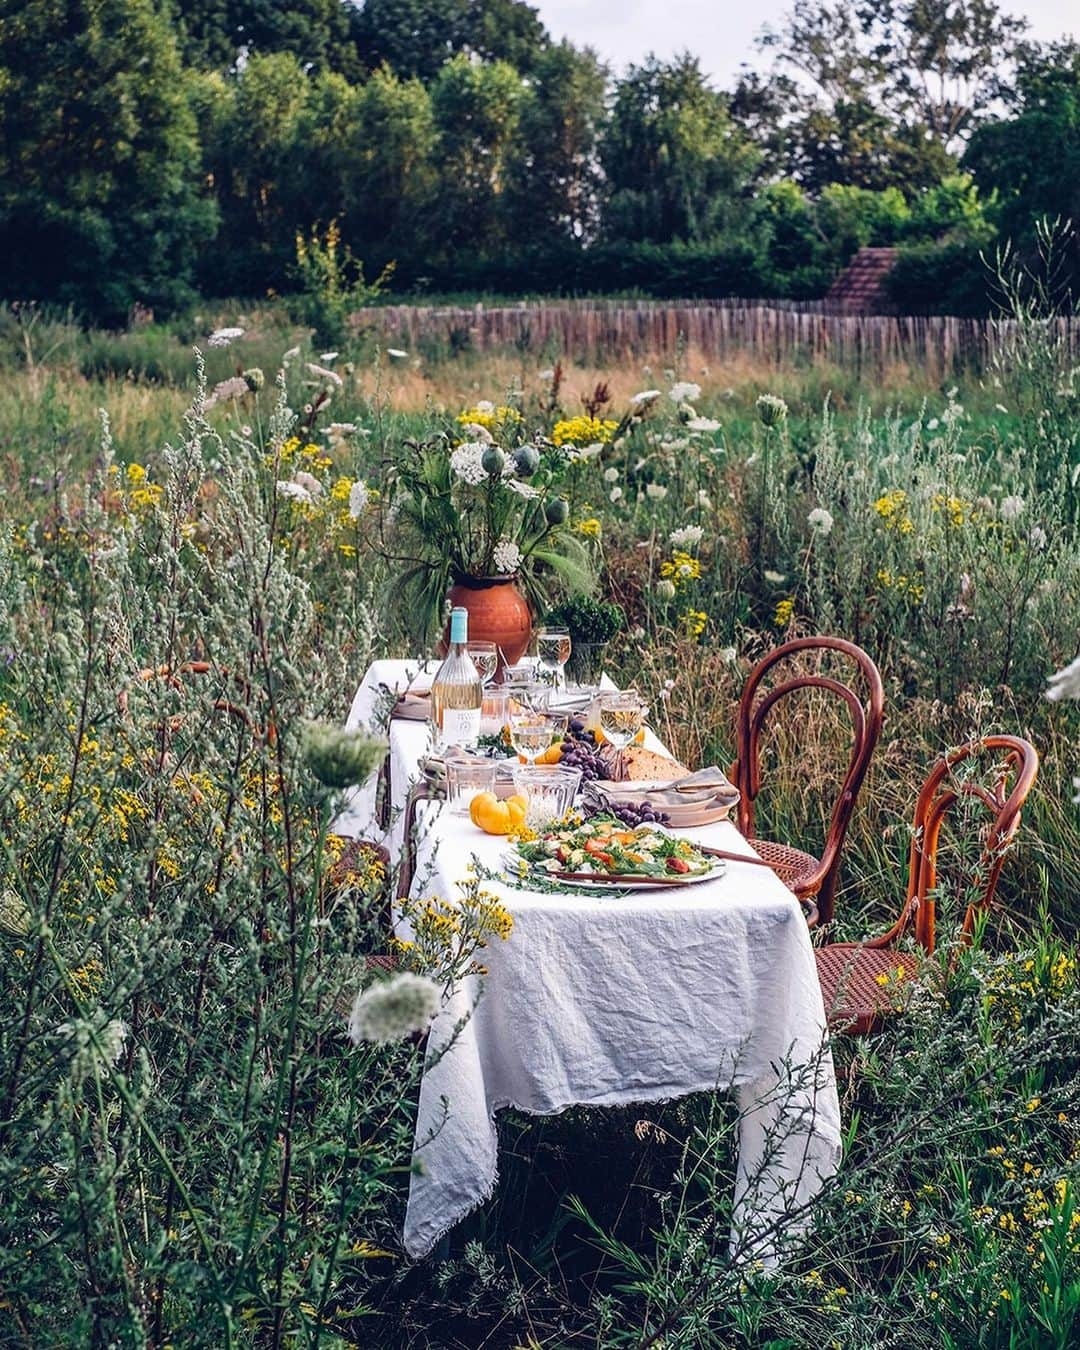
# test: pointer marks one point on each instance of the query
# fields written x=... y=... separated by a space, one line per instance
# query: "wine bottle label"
x=460 y=726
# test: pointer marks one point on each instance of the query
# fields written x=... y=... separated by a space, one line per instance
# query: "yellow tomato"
x=552 y=755
x=493 y=816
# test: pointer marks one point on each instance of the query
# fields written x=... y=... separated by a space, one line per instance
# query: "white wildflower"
x=772 y=410
x=393 y=1009
x=611 y=475
x=327 y=357
x=646 y=396
x=775 y=578
x=397 y=354
x=525 y=490
x=358 y=499
x=341 y=429
x=14 y=915
x=1011 y=507
x=296 y=492
x=703 y=499
x=665 y=589
x=234 y=387
x=820 y=521
x=729 y=655
x=308 y=481
x=476 y=432
x=684 y=392
x=324 y=374
x=506 y=557
x=1037 y=537
x=703 y=424
x=688 y=537
x=222 y=337
x=548 y=374
x=615 y=494
x=933 y=424
x=467 y=462
x=656 y=492
x=485 y=406
x=338 y=757
x=1065 y=683
x=675 y=443
x=291 y=354
x=92 y=1044
x=1000 y=407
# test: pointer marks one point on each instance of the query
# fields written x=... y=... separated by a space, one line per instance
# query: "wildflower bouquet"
x=472 y=510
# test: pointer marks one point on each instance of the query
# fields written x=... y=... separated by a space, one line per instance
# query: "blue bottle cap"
x=459 y=625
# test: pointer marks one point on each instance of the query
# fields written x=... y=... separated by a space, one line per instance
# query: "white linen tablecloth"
x=598 y=1000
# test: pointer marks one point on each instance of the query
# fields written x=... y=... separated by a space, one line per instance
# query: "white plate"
x=511 y=859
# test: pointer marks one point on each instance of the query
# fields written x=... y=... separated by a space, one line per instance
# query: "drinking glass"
x=549 y=793
x=553 y=647
x=485 y=657
x=531 y=732
x=622 y=715
x=464 y=779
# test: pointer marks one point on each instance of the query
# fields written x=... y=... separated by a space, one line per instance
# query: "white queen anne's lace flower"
x=1011 y=507
x=1065 y=683
x=222 y=337
x=323 y=373
x=467 y=462
x=820 y=521
x=507 y=557
x=656 y=492
x=688 y=537
x=703 y=424
x=525 y=490
x=393 y=1009
x=308 y=481
x=358 y=499
x=295 y=491
x=684 y=392
x=646 y=396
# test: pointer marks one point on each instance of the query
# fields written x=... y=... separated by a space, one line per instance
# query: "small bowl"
x=464 y=779
x=549 y=791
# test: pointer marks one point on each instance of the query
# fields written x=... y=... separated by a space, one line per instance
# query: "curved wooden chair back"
x=176 y=676
x=1013 y=771
x=867 y=712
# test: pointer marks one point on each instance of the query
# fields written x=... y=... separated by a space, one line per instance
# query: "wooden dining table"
x=602 y=998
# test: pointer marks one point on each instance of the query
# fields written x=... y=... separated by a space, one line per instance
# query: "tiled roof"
x=860 y=288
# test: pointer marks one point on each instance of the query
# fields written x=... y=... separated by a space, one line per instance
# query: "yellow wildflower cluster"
x=680 y=568
x=902 y=584
x=957 y=511
x=489 y=417
x=1016 y=983
x=296 y=451
x=446 y=935
x=694 y=622
x=785 y=612
x=590 y=527
x=142 y=495
x=892 y=508
x=584 y=430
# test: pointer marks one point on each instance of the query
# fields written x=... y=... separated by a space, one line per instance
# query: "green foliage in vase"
x=589 y=619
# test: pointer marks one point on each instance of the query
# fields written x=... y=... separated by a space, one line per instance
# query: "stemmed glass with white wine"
x=622 y=715
x=531 y=732
x=553 y=649
x=485 y=657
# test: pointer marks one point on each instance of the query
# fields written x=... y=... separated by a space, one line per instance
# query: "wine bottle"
x=457 y=692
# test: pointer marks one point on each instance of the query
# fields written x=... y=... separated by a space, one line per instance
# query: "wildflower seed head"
x=393 y=1009
x=340 y=758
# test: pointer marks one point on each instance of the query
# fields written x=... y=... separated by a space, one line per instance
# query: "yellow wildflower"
x=583 y=430
x=680 y=568
x=590 y=527
x=785 y=612
x=892 y=508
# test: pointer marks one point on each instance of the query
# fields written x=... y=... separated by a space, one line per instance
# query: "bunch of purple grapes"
x=580 y=751
x=630 y=813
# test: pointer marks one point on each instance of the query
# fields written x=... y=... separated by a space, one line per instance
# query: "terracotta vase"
x=498 y=613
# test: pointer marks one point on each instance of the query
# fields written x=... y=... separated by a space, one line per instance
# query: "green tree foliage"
x=100 y=195
x=885 y=92
x=319 y=33
x=417 y=37
x=553 y=181
x=676 y=164
x=1031 y=158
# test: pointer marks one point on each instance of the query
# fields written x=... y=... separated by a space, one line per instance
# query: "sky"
x=720 y=32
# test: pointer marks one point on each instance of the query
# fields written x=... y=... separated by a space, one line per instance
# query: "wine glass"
x=622 y=715
x=485 y=657
x=553 y=647
x=531 y=732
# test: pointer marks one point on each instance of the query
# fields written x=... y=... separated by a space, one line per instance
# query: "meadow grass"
x=223 y=1168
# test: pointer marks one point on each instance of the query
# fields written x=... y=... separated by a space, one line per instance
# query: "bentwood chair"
x=860 y=981
x=811 y=878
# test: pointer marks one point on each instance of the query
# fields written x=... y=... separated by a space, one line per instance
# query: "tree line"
x=152 y=149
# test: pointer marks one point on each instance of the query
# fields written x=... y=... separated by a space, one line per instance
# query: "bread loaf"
x=646 y=765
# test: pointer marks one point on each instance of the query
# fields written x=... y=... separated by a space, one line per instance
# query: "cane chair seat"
x=384 y=961
x=860 y=981
x=799 y=871
x=859 y=985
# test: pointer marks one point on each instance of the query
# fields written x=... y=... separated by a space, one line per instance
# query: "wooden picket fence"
x=774 y=331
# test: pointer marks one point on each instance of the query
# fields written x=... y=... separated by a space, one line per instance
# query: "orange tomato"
x=493 y=816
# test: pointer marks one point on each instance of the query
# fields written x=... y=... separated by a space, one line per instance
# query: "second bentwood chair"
x=859 y=980
x=811 y=878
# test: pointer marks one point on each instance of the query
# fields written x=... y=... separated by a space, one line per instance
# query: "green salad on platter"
x=606 y=847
